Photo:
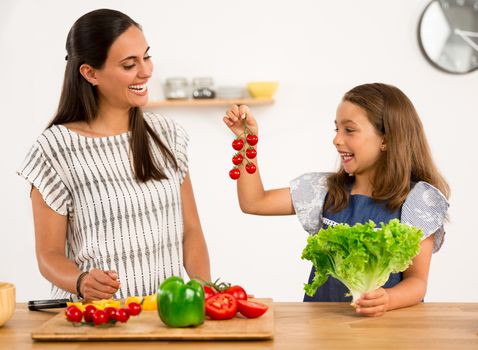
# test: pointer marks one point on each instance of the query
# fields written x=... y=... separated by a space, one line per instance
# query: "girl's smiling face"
x=122 y=81
x=358 y=142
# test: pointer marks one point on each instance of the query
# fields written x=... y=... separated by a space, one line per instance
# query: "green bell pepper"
x=181 y=304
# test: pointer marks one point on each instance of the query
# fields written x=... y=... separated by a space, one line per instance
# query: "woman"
x=113 y=204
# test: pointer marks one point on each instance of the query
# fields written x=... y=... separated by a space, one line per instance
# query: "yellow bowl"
x=7 y=301
x=262 y=89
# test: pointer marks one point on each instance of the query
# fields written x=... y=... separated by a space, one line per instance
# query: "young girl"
x=112 y=199
x=386 y=172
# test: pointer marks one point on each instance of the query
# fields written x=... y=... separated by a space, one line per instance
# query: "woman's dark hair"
x=88 y=42
x=408 y=157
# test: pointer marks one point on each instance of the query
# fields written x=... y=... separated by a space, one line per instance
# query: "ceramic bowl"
x=7 y=301
x=262 y=89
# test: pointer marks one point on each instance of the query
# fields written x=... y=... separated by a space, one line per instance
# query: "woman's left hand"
x=373 y=303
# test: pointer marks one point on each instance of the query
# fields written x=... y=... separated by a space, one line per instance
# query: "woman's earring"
x=383 y=147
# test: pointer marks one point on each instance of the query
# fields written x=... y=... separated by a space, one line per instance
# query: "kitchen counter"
x=300 y=326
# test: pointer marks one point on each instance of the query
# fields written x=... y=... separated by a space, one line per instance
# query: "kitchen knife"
x=35 y=305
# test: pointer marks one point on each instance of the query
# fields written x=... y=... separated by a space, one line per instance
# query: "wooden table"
x=301 y=326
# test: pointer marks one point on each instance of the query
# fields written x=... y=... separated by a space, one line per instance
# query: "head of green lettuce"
x=361 y=256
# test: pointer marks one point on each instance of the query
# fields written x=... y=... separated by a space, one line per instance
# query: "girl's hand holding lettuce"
x=360 y=256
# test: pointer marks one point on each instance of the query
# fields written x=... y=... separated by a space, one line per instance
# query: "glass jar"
x=176 y=89
x=203 y=88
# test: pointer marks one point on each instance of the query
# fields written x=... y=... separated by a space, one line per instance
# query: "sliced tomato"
x=237 y=292
x=251 y=309
x=221 y=306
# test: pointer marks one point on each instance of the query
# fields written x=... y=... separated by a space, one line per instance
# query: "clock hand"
x=465 y=35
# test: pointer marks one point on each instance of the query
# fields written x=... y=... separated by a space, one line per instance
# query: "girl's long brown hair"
x=89 y=41
x=407 y=158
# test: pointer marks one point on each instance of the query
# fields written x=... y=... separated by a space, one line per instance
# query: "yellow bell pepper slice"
x=132 y=299
x=150 y=303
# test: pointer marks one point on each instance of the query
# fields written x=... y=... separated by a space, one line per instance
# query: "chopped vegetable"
x=360 y=256
x=251 y=309
x=221 y=306
x=150 y=302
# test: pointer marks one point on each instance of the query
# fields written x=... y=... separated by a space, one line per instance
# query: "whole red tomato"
x=251 y=168
x=100 y=317
x=237 y=144
x=134 y=308
x=234 y=174
x=111 y=313
x=251 y=309
x=209 y=292
x=251 y=153
x=122 y=315
x=73 y=314
x=237 y=159
x=88 y=313
x=252 y=139
x=221 y=306
x=237 y=292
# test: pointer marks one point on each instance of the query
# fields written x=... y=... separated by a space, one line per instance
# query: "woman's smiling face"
x=122 y=81
x=358 y=142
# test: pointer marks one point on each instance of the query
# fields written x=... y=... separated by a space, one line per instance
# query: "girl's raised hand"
x=234 y=120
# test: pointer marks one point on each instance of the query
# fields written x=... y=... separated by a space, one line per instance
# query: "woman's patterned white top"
x=425 y=206
x=114 y=222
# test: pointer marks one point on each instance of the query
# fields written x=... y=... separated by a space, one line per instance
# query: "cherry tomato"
x=73 y=314
x=237 y=159
x=209 y=292
x=234 y=174
x=237 y=144
x=251 y=309
x=251 y=168
x=134 y=308
x=88 y=313
x=252 y=139
x=237 y=292
x=122 y=315
x=100 y=317
x=221 y=306
x=111 y=313
x=251 y=153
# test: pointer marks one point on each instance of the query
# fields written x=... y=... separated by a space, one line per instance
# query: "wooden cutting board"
x=148 y=326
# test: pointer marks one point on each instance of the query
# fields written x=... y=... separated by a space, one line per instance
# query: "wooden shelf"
x=209 y=102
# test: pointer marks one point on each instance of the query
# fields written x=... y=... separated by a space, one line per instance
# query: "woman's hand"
x=234 y=120
x=374 y=303
x=99 y=284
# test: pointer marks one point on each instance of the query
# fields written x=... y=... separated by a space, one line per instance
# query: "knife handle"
x=34 y=305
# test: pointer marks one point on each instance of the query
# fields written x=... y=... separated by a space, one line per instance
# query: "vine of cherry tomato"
x=244 y=154
x=93 y=316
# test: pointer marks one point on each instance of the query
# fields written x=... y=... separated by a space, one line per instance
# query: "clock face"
x=448 y=35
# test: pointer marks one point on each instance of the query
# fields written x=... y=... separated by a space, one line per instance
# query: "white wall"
x=317 y=50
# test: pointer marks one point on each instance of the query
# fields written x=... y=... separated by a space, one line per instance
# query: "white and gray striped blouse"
x=114 y=222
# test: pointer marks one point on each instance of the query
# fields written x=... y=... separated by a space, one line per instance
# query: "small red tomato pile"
x=101 y=314
x=224 y=301
x=244 y=153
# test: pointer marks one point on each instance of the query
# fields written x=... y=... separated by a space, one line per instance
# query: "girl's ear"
x=89 y=73
x=383 y=147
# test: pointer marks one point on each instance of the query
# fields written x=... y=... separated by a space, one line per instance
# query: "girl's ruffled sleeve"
x=37 y=170
x=426 y=208
x=308 y=193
